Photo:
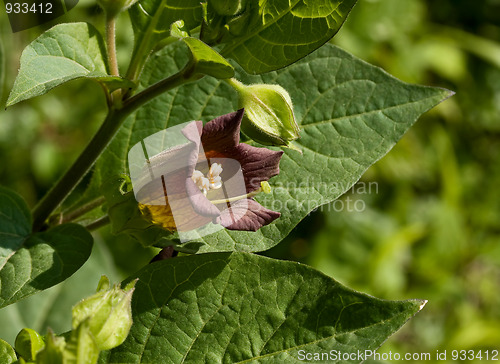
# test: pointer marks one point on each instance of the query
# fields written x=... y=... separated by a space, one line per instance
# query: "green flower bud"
x=53 y=352
x=269 y=117
x=108 y=313
x=81 y=348
x=28 y=344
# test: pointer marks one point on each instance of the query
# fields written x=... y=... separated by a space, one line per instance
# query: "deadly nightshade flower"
x=199 y=183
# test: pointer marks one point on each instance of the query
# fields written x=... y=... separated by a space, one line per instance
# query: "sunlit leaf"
x=239 y=307
x=207 y=61
x=278 y=33
x=61 y=54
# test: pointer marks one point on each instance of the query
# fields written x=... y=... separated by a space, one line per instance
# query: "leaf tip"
x=448 y=93
x=422 y=305
x=9 y=102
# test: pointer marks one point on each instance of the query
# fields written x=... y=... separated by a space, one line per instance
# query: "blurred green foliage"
x=430 y=227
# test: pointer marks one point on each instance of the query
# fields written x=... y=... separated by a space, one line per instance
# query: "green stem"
x=72 y=215
x=103 y=221
x=116 y=96
x=80 y=167
x=101 y=139
x=111 y=44
x=184 y=76
x=234 y=83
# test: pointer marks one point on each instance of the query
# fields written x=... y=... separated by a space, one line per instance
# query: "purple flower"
x=212 y=178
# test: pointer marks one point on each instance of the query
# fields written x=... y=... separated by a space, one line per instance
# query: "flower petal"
x=222 y=133
x=189 y=210
x=172 y=166
x=257 y=164
x=200 y=203
x=246 y=215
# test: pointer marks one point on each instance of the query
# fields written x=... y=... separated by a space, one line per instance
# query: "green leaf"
x=7 y=353
x=238 y=307
x=278 y=33
x=33 y=262
x=350 y=115
x=15 y=224
x=151 y=20
x=61 y=54
x=45 y=309
x=207 y=61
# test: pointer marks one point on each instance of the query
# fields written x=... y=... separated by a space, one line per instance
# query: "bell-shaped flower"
x=211 y=178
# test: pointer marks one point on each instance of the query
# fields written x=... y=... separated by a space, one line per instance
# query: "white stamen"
x=213 y=176
x=201 y=181
x=215 y=170
x=196 y=176
x=212 y=182
x=204 y=185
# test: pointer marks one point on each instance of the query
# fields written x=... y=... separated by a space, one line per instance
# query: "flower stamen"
x=213 y=176
x=264 y=187
x=213 y=180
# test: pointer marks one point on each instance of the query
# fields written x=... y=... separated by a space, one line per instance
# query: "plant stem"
x=101 y=139
x=111 y=44
x=184 y=76
x=116 y=96
x=80 y=167
x=72 y=215
x=234 y=83
x=103 y=221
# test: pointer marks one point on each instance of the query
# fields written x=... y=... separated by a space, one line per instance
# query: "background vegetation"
x=431 y=227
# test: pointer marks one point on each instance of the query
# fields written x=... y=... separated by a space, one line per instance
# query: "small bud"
x=177 y=30
x=28 y=344
x=269 y=117
x=108 y=313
